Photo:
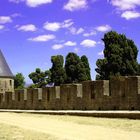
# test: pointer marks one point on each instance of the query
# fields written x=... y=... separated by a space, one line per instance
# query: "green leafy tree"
x=71 y=64
x=58 y=75
x=40 y=78
x=138 y=70
x=101 y=70
x=77 y=69
x=19 y=81
x=84 y=59
x=120 y=57
x=81 y=72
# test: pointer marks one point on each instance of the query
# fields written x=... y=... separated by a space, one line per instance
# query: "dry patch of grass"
x=123 y=124
x=10 y=132
x=23 y=126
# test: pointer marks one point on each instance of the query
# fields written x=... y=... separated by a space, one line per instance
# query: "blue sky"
x=31 y=31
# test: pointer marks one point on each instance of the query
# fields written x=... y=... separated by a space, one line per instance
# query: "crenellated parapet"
x=120 y=93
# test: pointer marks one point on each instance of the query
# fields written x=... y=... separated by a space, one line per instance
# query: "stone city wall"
x=120 y=93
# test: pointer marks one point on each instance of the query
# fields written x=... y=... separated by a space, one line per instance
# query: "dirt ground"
x=21 y=126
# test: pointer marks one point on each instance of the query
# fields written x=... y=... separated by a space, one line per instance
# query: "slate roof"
x=4 y=68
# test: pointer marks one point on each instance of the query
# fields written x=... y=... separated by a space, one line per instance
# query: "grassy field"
x=54 y=127
x=11 y=132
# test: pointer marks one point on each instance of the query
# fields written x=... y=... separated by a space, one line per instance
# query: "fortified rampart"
x=122 y=93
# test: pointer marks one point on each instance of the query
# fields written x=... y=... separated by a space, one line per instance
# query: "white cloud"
x=16 y=1
x=76 y=50
x=33 y=3
x=1 y=27
x=67 y=23
x=90 y=33
x=70 y=43
x=55 y=26
x=57 y=46
x=42 y=38
x=88 y=43
x=5 y=19
x=101 y=53
x=75 y=31
x=103 y=28
x=73 y=5
x=16 y=15
x=62 y=45
x=130 y=15
x=127 y=8
x=125 y=4
x=80 y=30
x=28 y=27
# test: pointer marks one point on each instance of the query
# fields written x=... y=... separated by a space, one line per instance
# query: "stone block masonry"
x=119 y=93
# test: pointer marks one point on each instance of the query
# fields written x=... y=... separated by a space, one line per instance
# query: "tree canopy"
x=19 y=81
x=85 y=62
x=120 y=57
x=77 y=69
x=139 y=69
x=40 y=78
x=72 y=60
x=58 y=75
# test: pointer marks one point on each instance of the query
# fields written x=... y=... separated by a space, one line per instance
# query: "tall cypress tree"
x=84 y=59
x=58 y=74
x=71 y=64
x=138 y=70
x=120 y=57
x=77 y=69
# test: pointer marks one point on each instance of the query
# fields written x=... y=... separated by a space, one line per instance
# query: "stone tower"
x=6 y=76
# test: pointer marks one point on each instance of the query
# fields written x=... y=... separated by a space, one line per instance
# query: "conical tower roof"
x=4 y=68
